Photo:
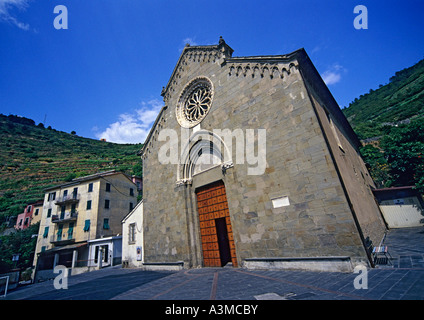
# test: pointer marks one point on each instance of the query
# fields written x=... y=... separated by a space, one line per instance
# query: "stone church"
x=251 y=163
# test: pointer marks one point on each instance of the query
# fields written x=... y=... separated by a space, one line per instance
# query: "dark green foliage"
x=404 y=150
x=399 y=160
x=70 y=176
x=138 y=169
x=20 y=120
x=377 y=164
x=21 y=242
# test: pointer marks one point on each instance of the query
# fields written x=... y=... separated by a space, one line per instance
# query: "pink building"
x=139 y=183
x=31 y=215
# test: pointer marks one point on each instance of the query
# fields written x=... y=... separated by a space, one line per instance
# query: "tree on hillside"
x=377 y=164
x=137 y=169
x=404 y=150
x=399 y=158
x=20 y=242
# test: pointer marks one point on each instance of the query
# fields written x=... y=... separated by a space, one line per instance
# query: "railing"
x=63 y=238
x=69 y=198
x=67 y=216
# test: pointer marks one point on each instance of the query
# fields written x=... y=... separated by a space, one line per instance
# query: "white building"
x=105 y=252
x=132 y=238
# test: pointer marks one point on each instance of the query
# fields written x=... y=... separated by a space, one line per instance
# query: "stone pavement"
x=230 y=284
x=403 y=281
x=406 y=246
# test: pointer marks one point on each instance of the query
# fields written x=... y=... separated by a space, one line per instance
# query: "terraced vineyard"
x=33 y=158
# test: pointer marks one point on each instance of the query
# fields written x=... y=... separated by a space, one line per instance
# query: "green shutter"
x=70 y=230
x=87 y=225
x=59 y=231
x=106 y=224
x=46 y=232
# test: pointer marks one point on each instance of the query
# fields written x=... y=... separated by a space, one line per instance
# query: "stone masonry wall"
x=356 y=178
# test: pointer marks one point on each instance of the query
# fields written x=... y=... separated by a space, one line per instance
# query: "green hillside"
x=401 y=99
x=33 y=158
x=390 y=121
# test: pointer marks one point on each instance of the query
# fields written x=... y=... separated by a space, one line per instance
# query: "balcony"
x=69 y=198
x=65 y=217
x=62 y=239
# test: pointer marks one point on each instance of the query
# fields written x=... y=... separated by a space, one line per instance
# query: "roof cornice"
x=78 y=181
x=267 y=59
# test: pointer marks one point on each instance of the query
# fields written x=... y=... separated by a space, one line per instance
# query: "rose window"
x=195 y=102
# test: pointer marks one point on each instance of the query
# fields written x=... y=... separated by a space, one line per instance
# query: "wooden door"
x=215 y=226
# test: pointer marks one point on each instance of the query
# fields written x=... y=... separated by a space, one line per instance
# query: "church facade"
x=252 y=163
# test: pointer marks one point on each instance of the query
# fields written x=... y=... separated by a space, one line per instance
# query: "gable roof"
x=221 y=50
x=132 y=211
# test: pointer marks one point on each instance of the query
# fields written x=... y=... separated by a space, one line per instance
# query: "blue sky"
x=102 y=77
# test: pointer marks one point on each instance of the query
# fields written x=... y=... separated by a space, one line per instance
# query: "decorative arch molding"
x=261 y=69
x=202 y=145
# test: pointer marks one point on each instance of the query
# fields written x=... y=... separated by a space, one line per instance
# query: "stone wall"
x=344 y=148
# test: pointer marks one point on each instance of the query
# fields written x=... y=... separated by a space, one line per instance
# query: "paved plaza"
x=401 y=280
